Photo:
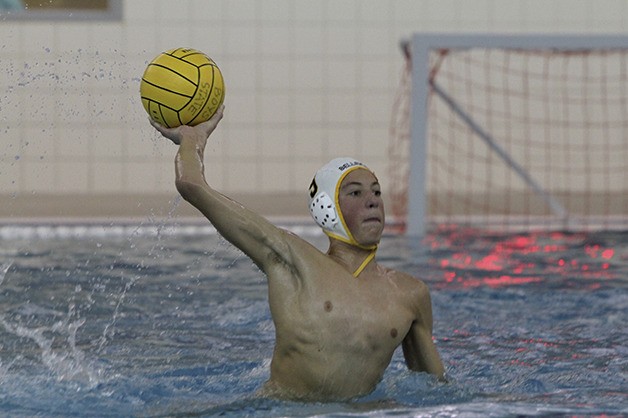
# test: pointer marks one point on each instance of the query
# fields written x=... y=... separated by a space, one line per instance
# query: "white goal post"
x=427 y=89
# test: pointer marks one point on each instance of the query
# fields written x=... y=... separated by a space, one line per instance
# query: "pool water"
x=158 y=320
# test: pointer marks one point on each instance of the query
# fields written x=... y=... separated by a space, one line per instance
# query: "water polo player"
x=338 y=316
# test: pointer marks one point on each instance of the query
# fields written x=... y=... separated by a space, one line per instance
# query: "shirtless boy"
x=338 y=316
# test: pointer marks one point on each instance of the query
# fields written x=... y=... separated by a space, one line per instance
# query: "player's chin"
x=371 y=235
x=370 y=242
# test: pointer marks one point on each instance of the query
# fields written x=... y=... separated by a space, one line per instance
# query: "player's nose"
x=373 y=200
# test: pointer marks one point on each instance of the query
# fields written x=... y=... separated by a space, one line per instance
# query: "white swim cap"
x=324 y=205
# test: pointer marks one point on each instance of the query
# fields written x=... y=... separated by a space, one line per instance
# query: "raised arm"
x=419 y=350
x=262 y=241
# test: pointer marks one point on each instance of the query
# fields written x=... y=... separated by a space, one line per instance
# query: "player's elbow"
x=189 y=189
x=421 y=354
x=434 y=368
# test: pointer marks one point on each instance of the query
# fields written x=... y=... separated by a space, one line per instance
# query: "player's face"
x=362 y=206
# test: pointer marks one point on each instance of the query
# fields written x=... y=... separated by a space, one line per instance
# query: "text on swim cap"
x=349 y=165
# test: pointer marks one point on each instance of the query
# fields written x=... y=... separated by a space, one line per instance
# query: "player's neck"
x=349 y=256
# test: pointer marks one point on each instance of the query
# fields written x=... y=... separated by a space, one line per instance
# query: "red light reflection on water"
x=494 y=263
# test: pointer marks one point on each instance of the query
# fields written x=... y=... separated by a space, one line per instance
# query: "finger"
x=165 y=132
x=209 y=125
x=156 y=125
x=218 y=114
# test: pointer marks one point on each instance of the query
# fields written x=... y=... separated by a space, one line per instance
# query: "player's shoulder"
x=409 y=283
x=416 y=292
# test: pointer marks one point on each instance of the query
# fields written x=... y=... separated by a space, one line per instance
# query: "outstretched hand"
x=200 y=131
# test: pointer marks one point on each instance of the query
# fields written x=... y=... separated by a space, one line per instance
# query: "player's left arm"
x=419 y=349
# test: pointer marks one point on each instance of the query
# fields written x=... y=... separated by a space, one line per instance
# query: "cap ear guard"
x=323 y=210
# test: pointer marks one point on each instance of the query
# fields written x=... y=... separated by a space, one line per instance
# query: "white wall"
x=307 y=80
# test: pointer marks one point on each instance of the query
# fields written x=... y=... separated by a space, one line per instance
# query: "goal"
x=511 y=132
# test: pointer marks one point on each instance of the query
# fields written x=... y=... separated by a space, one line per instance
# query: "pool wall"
x=306 y=81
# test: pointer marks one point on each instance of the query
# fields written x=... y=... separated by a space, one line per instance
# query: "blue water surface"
x=173 y=321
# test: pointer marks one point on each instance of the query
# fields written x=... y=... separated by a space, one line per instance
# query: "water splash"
x=4 y=268
x=109 y=330
x=155 y=252
x=58 y=350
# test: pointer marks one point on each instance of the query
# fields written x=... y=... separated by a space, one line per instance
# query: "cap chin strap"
x=365 y=263
x=350 y=240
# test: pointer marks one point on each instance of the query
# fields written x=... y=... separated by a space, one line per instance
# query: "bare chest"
x=350 y=314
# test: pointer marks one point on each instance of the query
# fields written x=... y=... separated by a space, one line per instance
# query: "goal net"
x=512 y=132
